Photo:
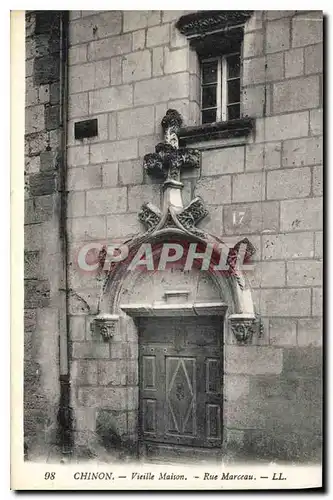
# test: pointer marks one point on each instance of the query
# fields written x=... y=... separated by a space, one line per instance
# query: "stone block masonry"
x=126 y=68
x=43 y=251
x=287 y=157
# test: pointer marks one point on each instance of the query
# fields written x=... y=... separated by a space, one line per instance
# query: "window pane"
x=233 y=112
x=209 y=116
x=233 y=63
x=209 y=96
x=209 y=72
x=233 y=91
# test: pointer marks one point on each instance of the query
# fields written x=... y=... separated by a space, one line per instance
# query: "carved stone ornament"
x=192 y=214
x=233 y=257
x=168 y=159
x=169 y=222
x=105 y=325
x=167 y=163
x=242 y=327
x=150 y=215
x=208 y=21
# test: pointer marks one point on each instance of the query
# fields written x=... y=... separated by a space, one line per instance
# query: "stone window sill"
x=241 y=127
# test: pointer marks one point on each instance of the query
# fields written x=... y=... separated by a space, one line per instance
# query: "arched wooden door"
x=180 y=412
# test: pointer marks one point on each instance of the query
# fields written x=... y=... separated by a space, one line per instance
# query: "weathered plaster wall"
x=43 y=254
x=126 y=69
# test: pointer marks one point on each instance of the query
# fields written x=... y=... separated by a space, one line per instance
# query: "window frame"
x=222 y=102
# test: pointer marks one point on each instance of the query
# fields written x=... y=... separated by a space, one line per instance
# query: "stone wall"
x=126 y=69
x=275 y=186
x=43 y=259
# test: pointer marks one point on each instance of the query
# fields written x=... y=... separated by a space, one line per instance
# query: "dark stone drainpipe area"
x=47 y=413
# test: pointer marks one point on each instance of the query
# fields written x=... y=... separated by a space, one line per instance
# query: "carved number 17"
x=237 y=218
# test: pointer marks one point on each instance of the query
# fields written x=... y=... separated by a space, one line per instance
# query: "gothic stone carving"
x=172 y=219
x=233 y=256
x=243 y=329
x=207 y=21
x=105 y=325
x=171 y=124
x=150 y=215
x=193 y=214
x=166 y=163
x=169 y=159
x=260 y=325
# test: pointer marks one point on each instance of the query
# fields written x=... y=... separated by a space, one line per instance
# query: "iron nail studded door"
x=181 y=382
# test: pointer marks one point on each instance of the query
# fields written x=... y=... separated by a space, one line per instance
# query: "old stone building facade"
x=108 y=355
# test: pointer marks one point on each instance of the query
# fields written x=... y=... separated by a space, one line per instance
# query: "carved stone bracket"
x=243 y=327
x=105 y=325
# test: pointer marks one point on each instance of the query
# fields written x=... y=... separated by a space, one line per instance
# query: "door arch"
x=130 y=297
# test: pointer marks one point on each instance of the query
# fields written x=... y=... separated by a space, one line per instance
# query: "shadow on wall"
x=111 y=445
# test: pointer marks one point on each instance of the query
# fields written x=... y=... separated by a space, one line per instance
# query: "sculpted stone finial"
x=171 y=124
x=168 y=159
x=167 y=163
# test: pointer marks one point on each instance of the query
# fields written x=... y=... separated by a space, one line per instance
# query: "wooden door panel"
x=213 y=422
x=155 y=330
x=149 y=416
x=151 y=392
x=198 y=332
x=148 y=373
x=213 y=376
x=181 y=395
x=181 y=382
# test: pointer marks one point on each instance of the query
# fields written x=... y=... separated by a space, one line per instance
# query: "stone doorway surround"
x=127 y=294
x=175 y=223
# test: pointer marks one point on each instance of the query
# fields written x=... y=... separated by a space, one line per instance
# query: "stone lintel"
x=185 y=309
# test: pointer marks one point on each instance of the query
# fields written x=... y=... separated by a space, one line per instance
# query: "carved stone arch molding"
x=175 y=291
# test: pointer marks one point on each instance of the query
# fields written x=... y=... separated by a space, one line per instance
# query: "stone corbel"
x=243 y=327
x=105 y=325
